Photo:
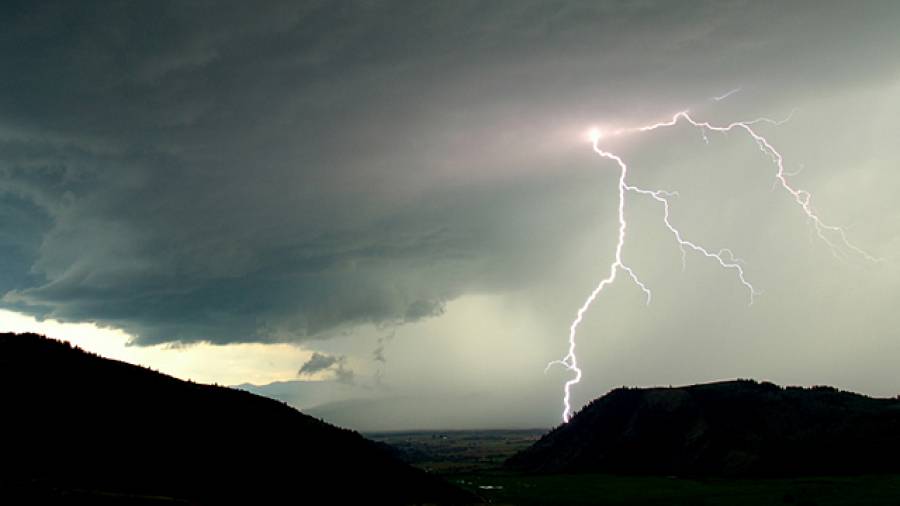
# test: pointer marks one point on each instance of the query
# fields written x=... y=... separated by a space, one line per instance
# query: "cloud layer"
x=277 y=172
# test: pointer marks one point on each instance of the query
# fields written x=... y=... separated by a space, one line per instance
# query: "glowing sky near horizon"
x=201 y=362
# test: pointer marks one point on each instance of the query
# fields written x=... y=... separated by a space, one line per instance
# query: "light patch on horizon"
x=229 y=364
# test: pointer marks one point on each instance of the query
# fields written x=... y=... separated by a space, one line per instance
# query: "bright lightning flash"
x=724 y=257
x=594 y=135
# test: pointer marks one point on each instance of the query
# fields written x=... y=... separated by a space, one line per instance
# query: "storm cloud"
x=280 y=171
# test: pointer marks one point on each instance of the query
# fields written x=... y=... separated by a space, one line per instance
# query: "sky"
x=388 y=214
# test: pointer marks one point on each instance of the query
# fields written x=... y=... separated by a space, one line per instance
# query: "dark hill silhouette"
x=78 y=428
x=733 y=428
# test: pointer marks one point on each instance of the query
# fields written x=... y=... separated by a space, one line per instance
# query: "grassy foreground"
x=508 y=488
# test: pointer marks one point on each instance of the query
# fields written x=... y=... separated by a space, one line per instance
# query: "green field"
x=458 y=451
x=472 y=460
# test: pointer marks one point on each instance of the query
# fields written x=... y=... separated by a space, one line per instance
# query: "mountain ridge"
x=91 y=427
x=728 y=428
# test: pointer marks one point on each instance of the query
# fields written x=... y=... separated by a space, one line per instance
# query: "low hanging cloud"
x=320 y=362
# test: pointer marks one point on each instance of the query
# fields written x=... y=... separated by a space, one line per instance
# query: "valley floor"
x=473 y=459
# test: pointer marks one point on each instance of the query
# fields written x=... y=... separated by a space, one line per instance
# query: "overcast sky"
x=397 y=198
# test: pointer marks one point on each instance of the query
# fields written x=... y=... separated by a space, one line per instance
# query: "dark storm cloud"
x=243 y=171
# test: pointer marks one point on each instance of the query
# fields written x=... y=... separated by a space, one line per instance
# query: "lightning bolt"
x=837 y=242
x=725 y=95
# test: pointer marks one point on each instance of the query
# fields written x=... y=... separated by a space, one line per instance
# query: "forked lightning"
x=834 y=237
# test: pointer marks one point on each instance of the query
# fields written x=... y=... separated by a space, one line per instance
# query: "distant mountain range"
x=79 y=428
x=475 y=411
x=371 y=409
x=305 y=395
x=734 y=428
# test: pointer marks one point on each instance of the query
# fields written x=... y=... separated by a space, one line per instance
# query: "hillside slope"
x=81 y=428
x=734 y=428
